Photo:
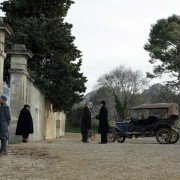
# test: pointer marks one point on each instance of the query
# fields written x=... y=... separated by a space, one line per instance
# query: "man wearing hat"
x=5 y=119
x=25 y=123
x=103 y=122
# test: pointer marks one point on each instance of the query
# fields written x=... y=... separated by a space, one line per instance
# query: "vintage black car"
x=148 y=120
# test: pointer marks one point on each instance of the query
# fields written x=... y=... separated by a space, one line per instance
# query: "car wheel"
x=175 y=137
x=111 y=135
x=120 y=138
x=164 y=135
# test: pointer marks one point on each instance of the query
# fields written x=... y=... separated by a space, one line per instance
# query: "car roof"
x=173 y=108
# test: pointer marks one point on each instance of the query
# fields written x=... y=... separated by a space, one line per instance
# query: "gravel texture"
x=68 y=158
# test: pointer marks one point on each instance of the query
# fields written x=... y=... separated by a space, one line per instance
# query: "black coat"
x=25 y=123
x=86 y=119
x=5 y=119
x=103 y=120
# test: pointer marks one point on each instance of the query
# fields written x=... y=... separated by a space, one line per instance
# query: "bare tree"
x=124 y=84
x=159 y=93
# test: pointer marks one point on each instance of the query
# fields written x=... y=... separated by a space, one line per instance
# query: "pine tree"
x=56 y=63
x=164 y=48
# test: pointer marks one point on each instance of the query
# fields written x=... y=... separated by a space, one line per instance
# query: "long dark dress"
x=25 y=123
x=103 y=120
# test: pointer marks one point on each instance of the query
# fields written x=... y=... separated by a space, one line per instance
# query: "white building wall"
x=23 y=91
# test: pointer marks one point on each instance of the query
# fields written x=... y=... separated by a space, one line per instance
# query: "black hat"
x=103 y=102
x=26 y=106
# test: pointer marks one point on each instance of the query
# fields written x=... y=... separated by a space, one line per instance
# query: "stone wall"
x=5 y=31
x=23 y=91
x=43 y=116
x=60 y=124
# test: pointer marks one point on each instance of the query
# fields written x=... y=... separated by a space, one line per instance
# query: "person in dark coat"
x=103 y=122
x=25 y=123
x=5 y=119
x=86 y=122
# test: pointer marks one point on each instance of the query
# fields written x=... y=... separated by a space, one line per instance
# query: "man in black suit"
x=103 y=122
x=86 y=121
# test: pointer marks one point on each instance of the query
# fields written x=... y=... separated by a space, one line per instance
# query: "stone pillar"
x=18 y=77
x=5 y=30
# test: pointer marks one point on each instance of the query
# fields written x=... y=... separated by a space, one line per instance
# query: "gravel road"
x=68 y=158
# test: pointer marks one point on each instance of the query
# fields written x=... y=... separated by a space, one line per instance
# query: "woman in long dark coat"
x=25 y=123
x=103 y=122
x=86 y=122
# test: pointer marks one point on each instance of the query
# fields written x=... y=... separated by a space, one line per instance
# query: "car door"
x=131 y=127
x=139 y=125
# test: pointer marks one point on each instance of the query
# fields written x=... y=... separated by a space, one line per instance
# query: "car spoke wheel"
x=164 y=135
x=111 y=135
x=120 y=138
x=175 y=137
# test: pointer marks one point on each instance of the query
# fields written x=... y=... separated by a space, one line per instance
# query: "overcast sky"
x=113 y=32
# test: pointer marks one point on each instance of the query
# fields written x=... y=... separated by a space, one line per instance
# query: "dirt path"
x=68 y=158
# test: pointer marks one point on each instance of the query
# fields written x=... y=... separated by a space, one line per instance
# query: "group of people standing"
x=103 y=128
x=24 y=125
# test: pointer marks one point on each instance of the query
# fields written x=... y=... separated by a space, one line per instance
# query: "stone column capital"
x=20 y=50
x=6 y=28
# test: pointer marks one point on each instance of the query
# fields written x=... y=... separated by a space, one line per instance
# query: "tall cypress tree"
x=56 y=63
